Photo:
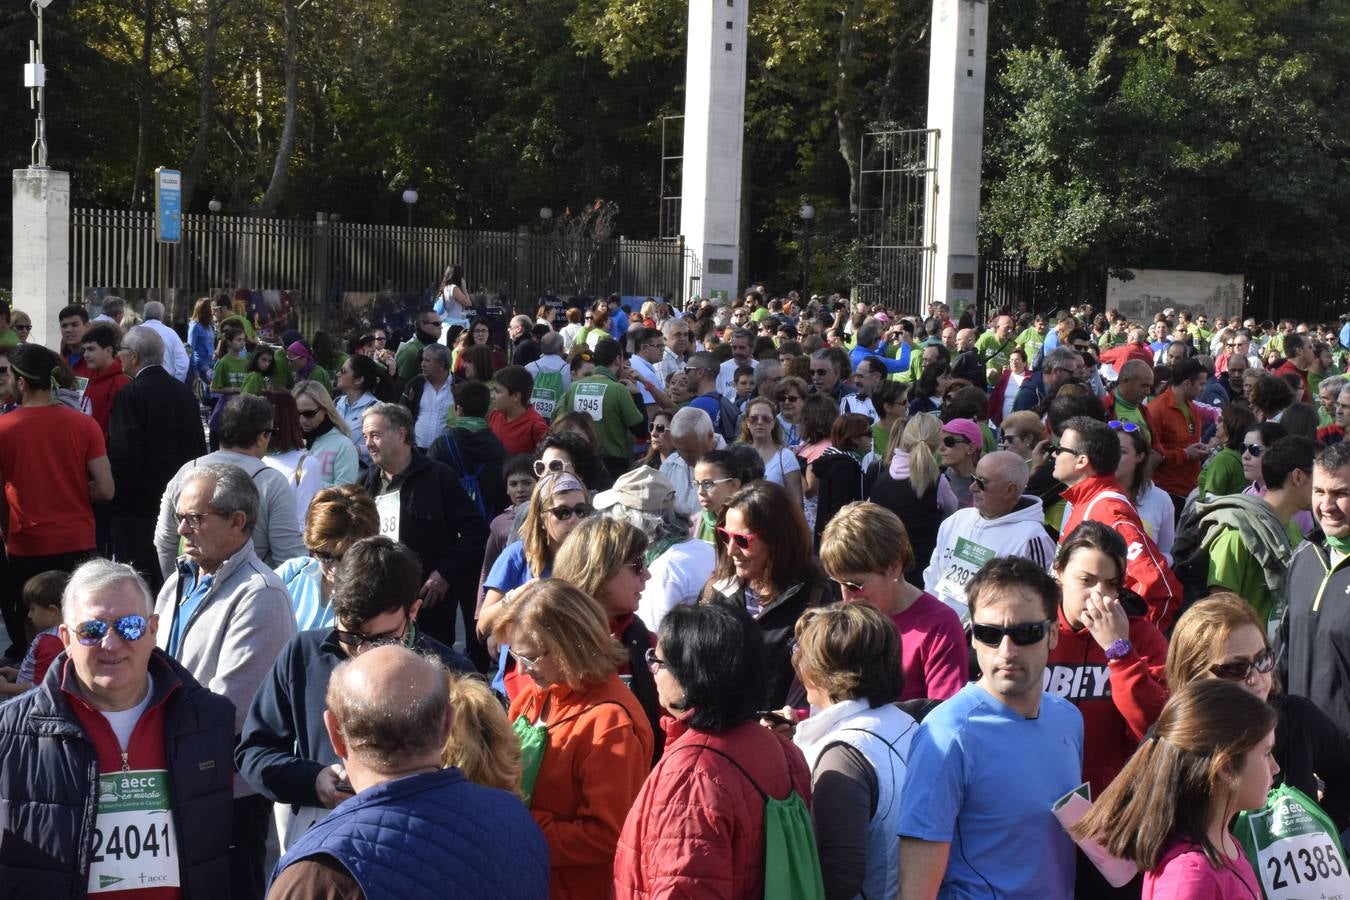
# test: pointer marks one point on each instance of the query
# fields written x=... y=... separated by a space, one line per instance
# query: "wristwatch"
x=1119 y=649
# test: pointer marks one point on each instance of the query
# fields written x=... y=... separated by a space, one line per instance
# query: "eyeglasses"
x=953 y=440
x=1127 y=427
x=565 y=513
x=821 y=371
x=554 y=466
x=706 y=485
x=980 y=482
x=357 y=639
x=742 y=539
x=526 y=662
x=1023 y=634
x=194 y=520
x=1241 y=669
x=1057 y=449
x=660 y=429
x=638 y=565
x=1008 y=437
x=853 y=586
x=654 y=662
x=310 y=413
x=128 y=628
x=759 y=420
x=1253 y=450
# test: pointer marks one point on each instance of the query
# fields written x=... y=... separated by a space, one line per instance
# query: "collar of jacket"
x=51 y=714
x=606 y=372
x=227 y=568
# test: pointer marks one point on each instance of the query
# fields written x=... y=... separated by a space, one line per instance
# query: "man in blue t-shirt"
x=987 y=765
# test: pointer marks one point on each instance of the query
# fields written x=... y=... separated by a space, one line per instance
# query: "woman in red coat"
x=697 y=827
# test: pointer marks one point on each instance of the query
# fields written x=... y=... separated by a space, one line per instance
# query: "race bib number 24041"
x=135 y=844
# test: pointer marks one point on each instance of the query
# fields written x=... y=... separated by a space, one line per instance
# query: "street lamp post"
x=545 y=217
x=410 y=198
x=35 y=79
x=807 y=213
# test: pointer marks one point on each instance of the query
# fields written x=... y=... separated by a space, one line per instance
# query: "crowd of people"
x=782 y=597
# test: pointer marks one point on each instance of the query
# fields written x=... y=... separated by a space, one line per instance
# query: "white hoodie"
x=966 y=541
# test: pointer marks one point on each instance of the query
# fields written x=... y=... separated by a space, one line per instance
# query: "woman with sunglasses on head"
x=760 y=429
x=1155 y=506
x=1168 y=811
x=566 y=450
x=606 y=558
x=1109 y=660
x=856 y=744
x=696 y=828
x=766 y=566
x=1222 y=637
x=585 y=739
x=558 y=505
x=866 y=551
x=326 y=434
x=337 y=518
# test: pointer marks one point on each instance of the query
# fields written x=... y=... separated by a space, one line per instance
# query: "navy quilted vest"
x=433 y=835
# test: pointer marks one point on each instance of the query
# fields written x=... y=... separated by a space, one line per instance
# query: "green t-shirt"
x=881 y=438
x=1031 y=341
x=610 y=406
x=994 y=353
x=408 y=359
x=1222 y=475
x=230 y=372
x=1122 y=411
x=9 y=339
x=257 y=382
x=1232 y=567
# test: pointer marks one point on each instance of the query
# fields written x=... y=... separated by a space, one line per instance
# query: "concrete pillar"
x=714 y=139
x=956 y=109
x=42 y=249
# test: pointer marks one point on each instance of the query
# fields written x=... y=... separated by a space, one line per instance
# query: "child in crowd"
x=42 y=596
x=513 y=419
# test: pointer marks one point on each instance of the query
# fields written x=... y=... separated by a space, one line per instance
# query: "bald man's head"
x=391 y=708
x=1135 y=381
x=1003 y=477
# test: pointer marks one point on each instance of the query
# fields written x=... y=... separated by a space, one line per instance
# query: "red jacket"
x=1147 y=573
x=697 y=828
x=1119 y=700
x=1118 y=356
x=1173 y=432
x=102 y=387
x=1288 y=368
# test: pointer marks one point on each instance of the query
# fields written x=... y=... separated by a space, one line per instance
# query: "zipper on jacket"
x=125 y=767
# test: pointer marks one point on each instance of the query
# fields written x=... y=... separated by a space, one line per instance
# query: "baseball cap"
x=967 y=429
x=644 y=489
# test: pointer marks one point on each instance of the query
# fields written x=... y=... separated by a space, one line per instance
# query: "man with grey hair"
x=1061 y=364
x=429 y=396
x=388 y=718
x=226 y=616
x=1003 y=522
x=245 y=429
x=114 y=308
x=113 y=716
x=552 y=376
x=742 y=350
x=524 y=349
x=692 y=434
x=175 y=355
x=154 y=429
x=679 y=334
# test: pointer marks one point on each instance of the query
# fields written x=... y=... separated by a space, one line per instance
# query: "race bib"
x=967 y=558
x=590 y=399
x=135 y=844
x=544 y=401
x=1294 y=848
x=387 y=506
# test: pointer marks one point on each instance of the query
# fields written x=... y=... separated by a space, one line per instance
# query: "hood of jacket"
x=1027 y=509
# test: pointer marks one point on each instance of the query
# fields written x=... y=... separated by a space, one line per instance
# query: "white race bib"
x=1304 y=865
x=590 y=399
x=967 y=558
x=135 y=844
x=387 y=506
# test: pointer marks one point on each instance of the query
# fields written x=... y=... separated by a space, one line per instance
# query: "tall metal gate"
x=897 y=180
x=326 y=262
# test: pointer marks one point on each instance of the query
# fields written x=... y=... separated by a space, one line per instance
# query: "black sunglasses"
x=1023 y=634
x=310 y=413
x=563 y=513
x=128 y=628
x=1241 y=669
x=1254 y=450
x=356 y=638
x=952 y=440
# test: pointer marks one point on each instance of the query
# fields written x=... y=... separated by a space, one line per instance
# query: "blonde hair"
x=1024 y=420
x=920 y=441
x=595 y=550
x=865 y=537
x=533 y=534
x=568 y=626
x=319 y=394
x=481 y=741
x=1198 y=640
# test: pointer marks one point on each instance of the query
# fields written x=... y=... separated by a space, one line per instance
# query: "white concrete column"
x=41 y=206
x=714 y=138
x=956 y=109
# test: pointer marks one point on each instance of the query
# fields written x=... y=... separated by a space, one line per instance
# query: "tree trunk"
x=143 y=86
x=205 y=103
x=846 y=94
x=276 y=189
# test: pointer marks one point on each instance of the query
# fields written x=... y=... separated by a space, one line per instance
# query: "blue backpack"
x=466 y=480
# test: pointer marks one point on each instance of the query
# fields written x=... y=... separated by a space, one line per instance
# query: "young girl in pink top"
x=1168 y=810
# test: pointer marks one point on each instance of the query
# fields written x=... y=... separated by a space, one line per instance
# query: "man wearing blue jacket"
x=284 y=751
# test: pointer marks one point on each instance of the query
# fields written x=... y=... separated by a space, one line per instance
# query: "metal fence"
x=897 y=182
x=325 y=264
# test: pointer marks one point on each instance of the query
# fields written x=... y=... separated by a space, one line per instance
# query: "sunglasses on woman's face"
x=1023 y=634
x=951 y=440
x=564 y=513
x=1241 y=669
x=742 y=540
x=1254 y=450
